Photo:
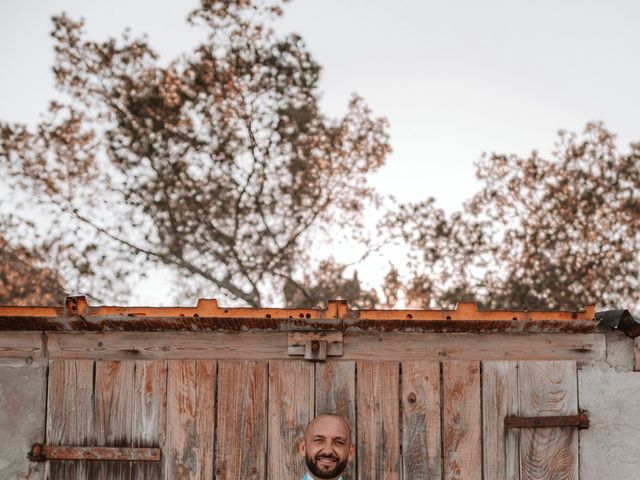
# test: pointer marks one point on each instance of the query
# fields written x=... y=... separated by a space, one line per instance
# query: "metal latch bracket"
x=315 y=346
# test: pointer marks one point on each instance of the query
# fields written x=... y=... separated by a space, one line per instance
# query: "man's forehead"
x=328 y=425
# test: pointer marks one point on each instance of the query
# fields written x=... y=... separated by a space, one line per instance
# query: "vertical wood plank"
x=461 y=430
x=69 y=414
x=548 y=388
x=149 y=415
x=190 y=420
x=378 y=385
x=290 y=410
x=241 y=434
x=499 y=399
x=113 y=409
x=336 y=393
x=421 y=439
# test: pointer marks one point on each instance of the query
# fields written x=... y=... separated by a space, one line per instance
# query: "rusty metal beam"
x=78 y=315
x=41 y=453
x=581 y=421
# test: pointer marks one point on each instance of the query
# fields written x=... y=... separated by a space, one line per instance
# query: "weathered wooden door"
x=228 y=419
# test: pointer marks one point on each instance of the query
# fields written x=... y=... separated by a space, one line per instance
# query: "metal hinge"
x=42 y=453
x=581 y=421
x=315 y=346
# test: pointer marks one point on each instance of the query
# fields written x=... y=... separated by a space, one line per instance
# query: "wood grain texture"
x=113 y=409
x=548 y=388
x=241 y=435
x=69 y=414
x=291 y=385
x=189 y=450
x=461 y=425
x=421 y=436
x=637 y=355
x=23 y=346
x=356 y=346
x=499 y=399
x=149 y=415
x=169 y=345
x=378 y=431
x=335 y=392
x=468 y=346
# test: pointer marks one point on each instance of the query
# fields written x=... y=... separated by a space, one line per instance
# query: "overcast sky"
x=454 y=78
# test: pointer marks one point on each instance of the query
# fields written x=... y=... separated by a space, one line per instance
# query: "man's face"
x=327 y=447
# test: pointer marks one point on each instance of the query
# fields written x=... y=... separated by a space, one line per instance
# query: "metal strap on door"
x=42 y=453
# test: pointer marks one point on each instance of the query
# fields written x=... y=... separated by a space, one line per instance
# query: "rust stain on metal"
x=207 y=315
x=41 y=453
x=581 y=421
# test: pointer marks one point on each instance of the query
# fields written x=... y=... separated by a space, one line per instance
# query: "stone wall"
x=610 y=391
x=22 y=418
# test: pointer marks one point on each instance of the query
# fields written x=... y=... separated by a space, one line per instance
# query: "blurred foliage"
x=329 y=282
x=541 y=233
x=25 y=277
x=219 y=165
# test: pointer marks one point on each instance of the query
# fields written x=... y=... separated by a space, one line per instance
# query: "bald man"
x=326 y=447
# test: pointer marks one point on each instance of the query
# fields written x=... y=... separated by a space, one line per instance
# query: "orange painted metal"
x=207 y=315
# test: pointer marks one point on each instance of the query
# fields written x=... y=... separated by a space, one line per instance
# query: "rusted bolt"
x=37 y=453
x=100 y=344
x=29 y=360
x=315 y=345
x=411 y=398
x=165 y=348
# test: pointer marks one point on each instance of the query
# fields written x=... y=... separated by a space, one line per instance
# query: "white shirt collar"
x=308 y=477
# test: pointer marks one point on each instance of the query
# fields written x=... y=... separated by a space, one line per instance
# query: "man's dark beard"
x=317 y=472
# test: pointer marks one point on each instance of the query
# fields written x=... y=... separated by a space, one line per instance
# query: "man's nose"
x=328 y=449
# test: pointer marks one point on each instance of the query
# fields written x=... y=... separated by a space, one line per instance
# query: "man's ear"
x=301 y=447
x=352 y=451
